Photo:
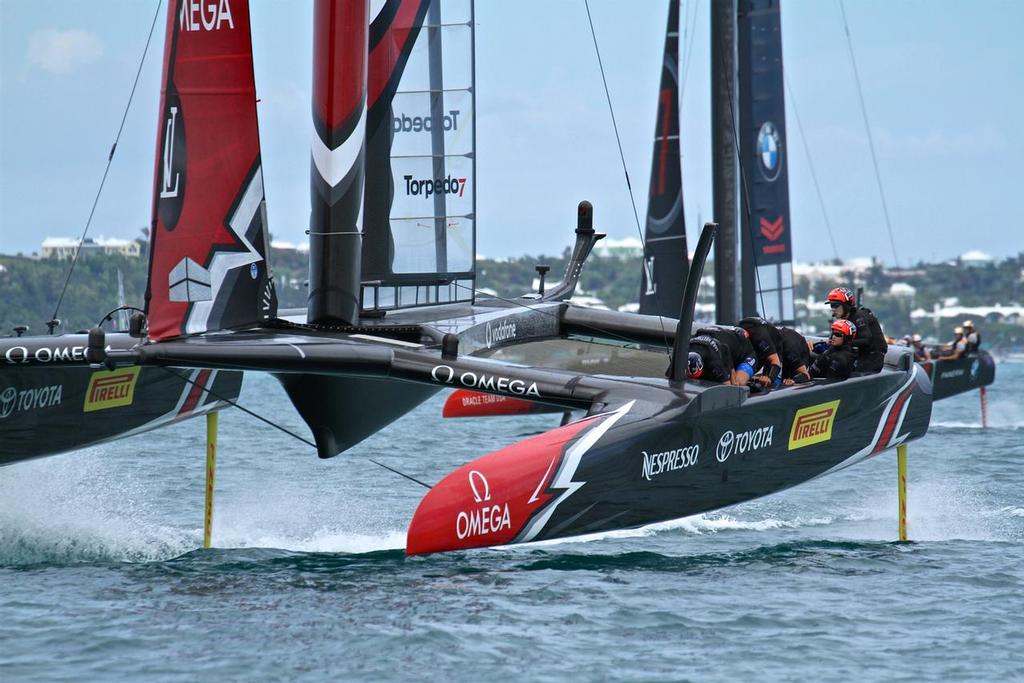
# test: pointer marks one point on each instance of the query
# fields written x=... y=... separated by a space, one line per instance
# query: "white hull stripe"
x=894 y=441
x=563 y=478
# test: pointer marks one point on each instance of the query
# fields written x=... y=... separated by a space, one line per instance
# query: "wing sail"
x=764 y=162
x=665 y=257
x=419 y=239
x=208 y=268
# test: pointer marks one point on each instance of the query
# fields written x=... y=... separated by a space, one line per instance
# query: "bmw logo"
x=769 y=151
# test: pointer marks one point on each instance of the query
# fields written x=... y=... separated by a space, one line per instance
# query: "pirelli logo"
x=813 y=424
x=110 y=389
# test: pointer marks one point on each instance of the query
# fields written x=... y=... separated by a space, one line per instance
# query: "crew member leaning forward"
x=782 y=354
x=721 y=354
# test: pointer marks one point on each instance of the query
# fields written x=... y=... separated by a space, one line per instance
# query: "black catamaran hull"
x=63 y=406
x=953 y=376
x=632 y=466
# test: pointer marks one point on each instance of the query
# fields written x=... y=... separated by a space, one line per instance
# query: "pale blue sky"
x=943 y=79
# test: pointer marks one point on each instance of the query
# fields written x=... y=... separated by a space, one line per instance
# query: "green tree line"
x=30 y=289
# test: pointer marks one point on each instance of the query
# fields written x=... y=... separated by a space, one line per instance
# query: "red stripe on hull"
x=196 y=392
x=890 y=422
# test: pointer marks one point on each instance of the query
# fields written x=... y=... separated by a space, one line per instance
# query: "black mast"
x=723 y=155
x=340 y=39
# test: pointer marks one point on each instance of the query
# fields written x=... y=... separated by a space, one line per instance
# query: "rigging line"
x=235 y=404
x=602 y=332
x=401 y=474
x=622 y=157
x=687 y=35
x=744 y=190
x=110 y=158
x=810 y=163
x=871 y=141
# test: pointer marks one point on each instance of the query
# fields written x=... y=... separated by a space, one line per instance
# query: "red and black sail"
x=665 y=257
x=208 y=266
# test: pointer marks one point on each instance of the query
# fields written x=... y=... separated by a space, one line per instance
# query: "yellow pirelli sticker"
x=813 y=424
x=111 y=389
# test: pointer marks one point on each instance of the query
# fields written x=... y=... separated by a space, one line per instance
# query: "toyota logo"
x=7 y=401
x=724 y=448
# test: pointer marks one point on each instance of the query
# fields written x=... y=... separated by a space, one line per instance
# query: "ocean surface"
x=102 y=578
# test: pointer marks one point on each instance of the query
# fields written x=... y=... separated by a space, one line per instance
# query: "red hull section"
x=491 y=500
x=464 y=403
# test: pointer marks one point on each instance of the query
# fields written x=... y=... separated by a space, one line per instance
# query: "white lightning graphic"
x=567 y=470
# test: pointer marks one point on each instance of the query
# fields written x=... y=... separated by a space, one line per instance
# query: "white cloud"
x=61 y=52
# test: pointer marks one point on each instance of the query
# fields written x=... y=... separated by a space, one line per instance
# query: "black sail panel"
x=766 y=233
x=420 y=212
x=665 y=258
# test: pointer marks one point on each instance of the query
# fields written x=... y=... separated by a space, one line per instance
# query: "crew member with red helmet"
x=869 y=344
x=721 y=354
x=839 y=359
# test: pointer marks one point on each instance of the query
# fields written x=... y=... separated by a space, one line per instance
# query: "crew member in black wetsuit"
x=782 y=353
x=721 y=354
x=869 y=345
x=839 y=359
x=796 y=357
x=971 y=336
x=766 y=340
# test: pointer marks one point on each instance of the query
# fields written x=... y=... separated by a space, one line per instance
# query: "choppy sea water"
x=101 y=578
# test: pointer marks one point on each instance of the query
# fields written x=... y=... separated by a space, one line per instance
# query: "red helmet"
x=845 y=328
x=842 y=295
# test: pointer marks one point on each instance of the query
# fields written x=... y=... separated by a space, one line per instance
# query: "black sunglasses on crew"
x=834 y=304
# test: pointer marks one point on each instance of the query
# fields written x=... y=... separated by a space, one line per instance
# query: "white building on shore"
x=64 y=247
